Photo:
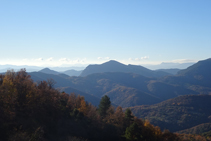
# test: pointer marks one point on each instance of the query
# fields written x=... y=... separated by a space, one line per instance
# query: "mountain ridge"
x=114 y=66
x=177 y=114
x=49 y=71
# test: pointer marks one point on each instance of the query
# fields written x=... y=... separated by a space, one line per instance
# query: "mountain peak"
x=49 y=71
x=112 y=62
x=115 y=66
x=45 y=69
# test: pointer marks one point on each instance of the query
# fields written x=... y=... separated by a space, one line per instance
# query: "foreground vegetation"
x=37 y=111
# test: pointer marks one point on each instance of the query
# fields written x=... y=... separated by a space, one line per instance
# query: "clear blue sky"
x=74 y=32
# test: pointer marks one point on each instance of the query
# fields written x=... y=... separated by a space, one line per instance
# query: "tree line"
x=35 y=111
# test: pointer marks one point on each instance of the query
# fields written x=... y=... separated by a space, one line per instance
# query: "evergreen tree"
x=128 y=115
x=133 y=132
x=104 y=105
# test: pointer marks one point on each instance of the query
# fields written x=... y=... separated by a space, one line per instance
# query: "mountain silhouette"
x=49 y=71
x=130 y=88
x=201 y=68
x=114 y=66
x=196 y=75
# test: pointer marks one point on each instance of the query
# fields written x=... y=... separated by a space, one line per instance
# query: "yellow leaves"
x=115 y=117
x=83 y=107
x=147 y=123
x=78 y=103
x=155 y=130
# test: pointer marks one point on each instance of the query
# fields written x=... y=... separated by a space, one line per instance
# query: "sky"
x=81 y=32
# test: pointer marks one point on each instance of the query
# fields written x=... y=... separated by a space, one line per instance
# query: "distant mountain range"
x=169 y=66
x=49 y=71
x=175 y=99
x=114 y=66
x=170 y=71
x=63 y=84
x=68 y=72
x=127 y=88
x=73 y=72
x=130 y=85
x=4 y=68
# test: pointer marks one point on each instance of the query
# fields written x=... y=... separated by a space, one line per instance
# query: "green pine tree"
x=128 y=115
x=104 y=105
x=133 y=132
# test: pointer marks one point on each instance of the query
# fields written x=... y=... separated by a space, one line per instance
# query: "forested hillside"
x=131 y=87
x=42 y=103
x=196 y=77
x=38 y=112
x=178 y=113
x=199 y=129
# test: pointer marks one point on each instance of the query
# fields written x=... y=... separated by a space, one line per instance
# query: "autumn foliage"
x=37 y=111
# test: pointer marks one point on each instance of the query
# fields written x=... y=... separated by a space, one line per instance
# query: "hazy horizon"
x=78 y=33
x=30 y=68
